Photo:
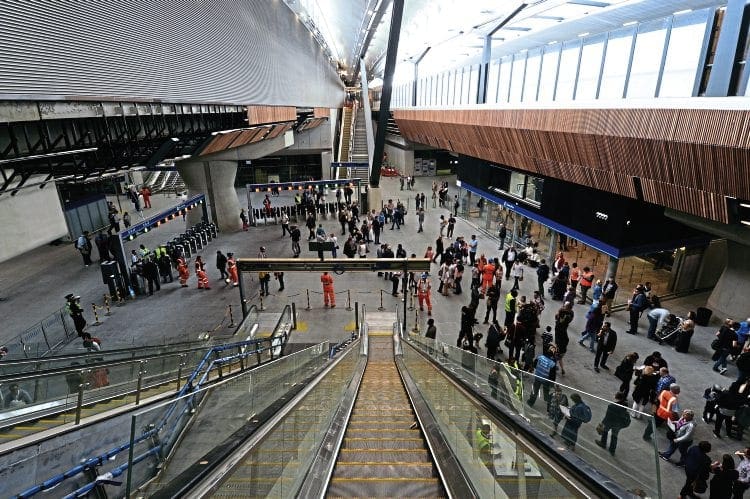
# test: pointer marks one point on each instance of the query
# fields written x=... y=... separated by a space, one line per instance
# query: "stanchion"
x=96 y=315
x=106 y=304
x=415 y=329
x=118 y=297
x=411 y=301
x=356 y=316
x=381 y=307
x=308 y=300
x=231 y=317
x=262 y=308
x=294 y=316
x=348 y=300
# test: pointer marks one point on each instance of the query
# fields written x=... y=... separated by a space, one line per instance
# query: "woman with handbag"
x=644 y=391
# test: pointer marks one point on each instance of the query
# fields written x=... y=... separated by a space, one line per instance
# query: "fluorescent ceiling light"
x=683 y=12
x=581 y=35
x=630 y=23
x=48 y=155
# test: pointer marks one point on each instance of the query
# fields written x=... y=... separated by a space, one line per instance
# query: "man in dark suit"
x=606 y=340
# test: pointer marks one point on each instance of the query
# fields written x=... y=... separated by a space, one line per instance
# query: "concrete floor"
x=34 y=285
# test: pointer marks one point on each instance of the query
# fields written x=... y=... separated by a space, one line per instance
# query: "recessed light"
x=552 y=42
x=584 y=34
x=630 y=23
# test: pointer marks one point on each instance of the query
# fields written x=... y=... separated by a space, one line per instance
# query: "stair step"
x=365 y=470
x=389 y=487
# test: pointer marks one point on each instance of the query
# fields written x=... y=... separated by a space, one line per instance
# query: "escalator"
x=383 y=454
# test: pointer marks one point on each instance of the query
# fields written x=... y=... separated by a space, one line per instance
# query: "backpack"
x=527 y=314
x=585 y=413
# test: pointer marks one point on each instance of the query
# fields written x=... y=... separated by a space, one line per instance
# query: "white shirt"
x=517 y=270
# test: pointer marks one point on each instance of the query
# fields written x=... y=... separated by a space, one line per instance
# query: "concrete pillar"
x=612 y=266
x=730 y=297
x=374 y=198
x=215 y=179
x=553 y=238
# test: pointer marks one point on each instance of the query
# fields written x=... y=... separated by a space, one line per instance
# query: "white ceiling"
x=455 y=30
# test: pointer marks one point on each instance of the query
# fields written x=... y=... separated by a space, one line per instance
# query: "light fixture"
x=581 y=35
x=145 y=229
x=552 y=42
x=630 y=23
x=682 y=12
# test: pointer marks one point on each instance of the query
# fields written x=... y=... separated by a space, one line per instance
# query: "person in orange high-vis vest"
x=668 y=400
x=200 y=273
x=488 y=274
x=183 y=271
x=232 y=269
x=424 y=290
x=328 y=296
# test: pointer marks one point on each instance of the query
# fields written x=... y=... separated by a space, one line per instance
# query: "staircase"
x=383 y=453
x=359 y=144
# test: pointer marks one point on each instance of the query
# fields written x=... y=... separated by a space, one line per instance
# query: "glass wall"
x=661 y=58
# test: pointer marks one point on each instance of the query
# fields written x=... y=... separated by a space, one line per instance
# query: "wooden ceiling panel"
x=704 y=154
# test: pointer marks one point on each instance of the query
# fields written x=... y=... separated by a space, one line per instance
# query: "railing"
x=249 y=354
x=42 y=338
x=214 y=408
x=511 y=389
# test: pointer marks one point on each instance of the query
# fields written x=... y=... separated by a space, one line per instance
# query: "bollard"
x=262 y=308
x=415 y=329
x=348 y=300
x=96 y=315
x=231 y=317
x=106 y=304
x=308 y=300
x=294 y=316
x=381 y=307
x=411 y=301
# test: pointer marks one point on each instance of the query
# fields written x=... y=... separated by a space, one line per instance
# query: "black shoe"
x=716 y=434
x=600 y=443
x=596 y=369
x=606 y=368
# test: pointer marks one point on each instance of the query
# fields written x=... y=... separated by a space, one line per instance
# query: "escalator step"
x=392 y=487
x=383 y=443
x=364 y=470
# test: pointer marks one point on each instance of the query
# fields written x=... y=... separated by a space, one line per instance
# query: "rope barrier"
x=96 y=316
x=231 y=317
x=106 y=304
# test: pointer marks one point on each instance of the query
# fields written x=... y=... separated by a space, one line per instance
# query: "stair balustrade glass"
x=548 y=412
x=213 y=413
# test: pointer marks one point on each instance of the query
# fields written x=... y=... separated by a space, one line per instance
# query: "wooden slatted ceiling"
x=321 y=112
x=687 y=159
x=220 y=142
x=257 y=115
x=278 y=130
x=231 y=140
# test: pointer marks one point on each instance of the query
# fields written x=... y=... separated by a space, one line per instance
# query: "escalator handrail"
x=574 y=465
x=102 y=458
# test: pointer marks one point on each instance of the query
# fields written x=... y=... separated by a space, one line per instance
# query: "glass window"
x=474 y=84
x=531 y=82
x=504 y=82
x=683 y=54
x=591 y=65
x=534 y=189
x=649 y=47
x=517 y=184
x=566 y=78
x=616 y=64
x=492 y=81
x=550 y=61
x=516 y=83
x=451 y=85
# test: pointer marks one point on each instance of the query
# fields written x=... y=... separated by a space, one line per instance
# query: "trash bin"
x=703 y=315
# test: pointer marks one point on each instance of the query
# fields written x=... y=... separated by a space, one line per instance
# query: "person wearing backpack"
x=578 y=414
x=544 y=371
x=615 y=419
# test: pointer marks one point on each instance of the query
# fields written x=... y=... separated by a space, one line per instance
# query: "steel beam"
x=335 y=266
x=385 y=97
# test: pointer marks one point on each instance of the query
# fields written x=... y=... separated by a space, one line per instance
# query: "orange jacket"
x=666 y=401
x=488 y=272
x=327 y=281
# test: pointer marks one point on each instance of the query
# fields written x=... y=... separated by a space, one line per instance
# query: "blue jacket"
x=544 y=366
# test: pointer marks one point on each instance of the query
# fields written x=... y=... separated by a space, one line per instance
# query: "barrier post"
x=381 y=307
x=106 y=304
x=348 y=300
x=308 y=299
x=411 y=301
x=231 y=317
x=294 y=316
x=262 y=308
x=118 y=297
x=415 y=329
x=356 y=316
x=96 y=315
x=79 y=404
